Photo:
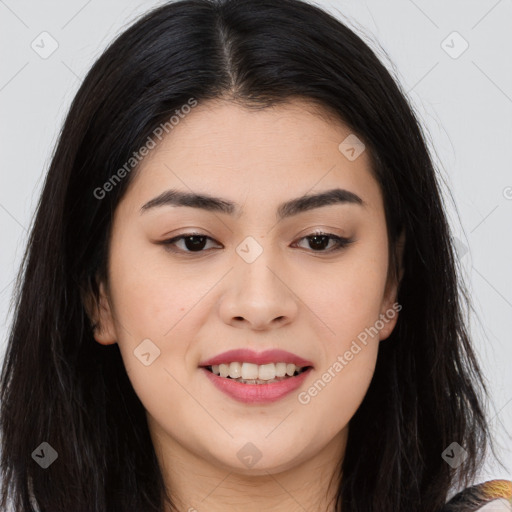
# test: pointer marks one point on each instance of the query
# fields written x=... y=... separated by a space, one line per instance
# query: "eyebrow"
x=289 y=208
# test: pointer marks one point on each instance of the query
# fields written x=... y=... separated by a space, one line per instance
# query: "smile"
x=250 y=373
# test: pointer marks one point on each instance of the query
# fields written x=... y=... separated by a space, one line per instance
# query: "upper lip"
x=245 y=355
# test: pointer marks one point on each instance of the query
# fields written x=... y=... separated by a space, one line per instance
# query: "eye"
x=196 y=242
x=319 y=240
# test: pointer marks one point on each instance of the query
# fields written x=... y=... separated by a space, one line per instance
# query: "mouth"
x=253 y=374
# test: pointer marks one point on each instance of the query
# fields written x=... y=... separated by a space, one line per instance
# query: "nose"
x=259 y=295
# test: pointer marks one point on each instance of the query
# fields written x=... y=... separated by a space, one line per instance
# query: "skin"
x=194 y=306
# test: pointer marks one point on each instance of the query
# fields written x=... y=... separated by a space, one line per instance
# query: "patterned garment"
x=478 y=496
x=471 y=499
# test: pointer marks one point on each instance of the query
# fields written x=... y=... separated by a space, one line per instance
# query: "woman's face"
x=254 y=282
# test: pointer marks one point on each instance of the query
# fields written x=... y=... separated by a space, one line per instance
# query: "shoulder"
x=494 y=495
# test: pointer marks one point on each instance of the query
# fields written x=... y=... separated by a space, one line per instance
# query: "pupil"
x=315 y=241
x=195 y=246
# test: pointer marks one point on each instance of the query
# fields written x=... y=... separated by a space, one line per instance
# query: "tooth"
x=224 y=370
x=267 y=371
x=235 y=370
x=249 y=371
x=290 y=369
x=280 y=369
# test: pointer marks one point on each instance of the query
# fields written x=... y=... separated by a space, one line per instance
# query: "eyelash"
x=341 y=242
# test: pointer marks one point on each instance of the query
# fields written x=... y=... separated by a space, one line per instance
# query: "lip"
x=256 y=393
x=245 y=355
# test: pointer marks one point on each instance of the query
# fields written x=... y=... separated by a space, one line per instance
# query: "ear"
x=100 y=314
x=390 y=308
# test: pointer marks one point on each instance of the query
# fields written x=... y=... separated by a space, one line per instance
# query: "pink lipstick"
x=253 y=388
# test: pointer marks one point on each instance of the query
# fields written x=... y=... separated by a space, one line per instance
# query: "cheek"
x=348 y=296
x=154 y=314
x=349 y=304
x=349 y=354
x=341 y=387
x=155 y=342
x=152 y=294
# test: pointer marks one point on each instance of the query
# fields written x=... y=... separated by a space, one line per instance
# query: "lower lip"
x=257 y=393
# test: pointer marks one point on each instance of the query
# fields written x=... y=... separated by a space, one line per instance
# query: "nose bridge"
x=258 y=291
x=258 y=271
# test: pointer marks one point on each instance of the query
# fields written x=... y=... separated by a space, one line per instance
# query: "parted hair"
x=60 y=386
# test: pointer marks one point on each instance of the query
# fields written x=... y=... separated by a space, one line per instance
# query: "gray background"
x=464 y=100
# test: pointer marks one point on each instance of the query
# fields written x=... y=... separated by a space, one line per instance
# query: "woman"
x=240 y=288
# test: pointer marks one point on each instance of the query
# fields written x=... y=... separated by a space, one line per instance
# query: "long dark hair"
x=61 y=387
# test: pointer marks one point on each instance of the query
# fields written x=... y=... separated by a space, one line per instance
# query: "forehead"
x=228 y=129
x=226 y=149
